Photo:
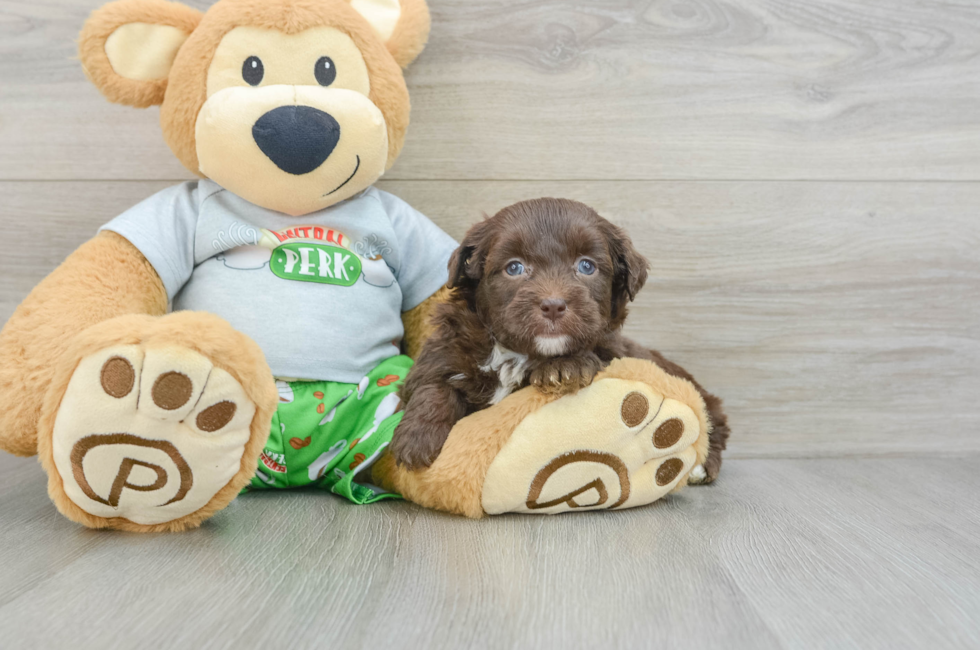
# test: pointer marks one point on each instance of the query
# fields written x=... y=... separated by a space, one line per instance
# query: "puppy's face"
x=548 y=277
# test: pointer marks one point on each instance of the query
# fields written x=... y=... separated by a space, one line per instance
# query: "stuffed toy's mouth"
x=349 y=178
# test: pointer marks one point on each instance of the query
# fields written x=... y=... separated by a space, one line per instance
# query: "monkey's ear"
x=403 y=25
x=128 y=47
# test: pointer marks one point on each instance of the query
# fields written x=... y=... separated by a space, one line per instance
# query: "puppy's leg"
x=429 y=417
x=718 y=438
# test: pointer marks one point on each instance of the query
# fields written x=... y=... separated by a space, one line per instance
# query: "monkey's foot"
x=619 y=443
x=627 y=440
x=153 y=435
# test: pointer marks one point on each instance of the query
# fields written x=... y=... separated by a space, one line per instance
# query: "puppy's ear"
x=629 y=269
x=466 y=263
x=128 y=47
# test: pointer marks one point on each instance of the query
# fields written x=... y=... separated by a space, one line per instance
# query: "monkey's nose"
x=298 y=139
x=553 y=308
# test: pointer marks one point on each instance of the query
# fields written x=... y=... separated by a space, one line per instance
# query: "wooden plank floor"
x=805 y=178
x=821 y=553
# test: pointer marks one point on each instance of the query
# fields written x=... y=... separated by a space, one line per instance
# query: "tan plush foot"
x=616 y=444
x=152 y=435
x=628 y=439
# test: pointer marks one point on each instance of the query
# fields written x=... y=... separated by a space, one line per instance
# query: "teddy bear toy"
x=250 y=330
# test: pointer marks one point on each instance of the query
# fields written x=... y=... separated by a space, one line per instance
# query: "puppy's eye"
x=515 y=268
x=586 y=267
x=253 y=71
x=325 y=71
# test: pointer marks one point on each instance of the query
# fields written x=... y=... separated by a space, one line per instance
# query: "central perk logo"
x=309 y=262
x=307 y=254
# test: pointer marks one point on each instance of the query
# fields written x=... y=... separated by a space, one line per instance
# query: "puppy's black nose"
x=298 y=139
x=553 y=308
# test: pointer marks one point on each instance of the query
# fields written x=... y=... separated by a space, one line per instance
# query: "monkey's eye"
x=325 y=71
x=586 y=267
x=514 y=268
x=253 y=71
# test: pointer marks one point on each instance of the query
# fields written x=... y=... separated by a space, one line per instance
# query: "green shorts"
x=324 y=433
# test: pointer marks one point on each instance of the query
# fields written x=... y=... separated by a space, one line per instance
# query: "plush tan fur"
x=411 y=33
x=183 y=95
x=106 y=293
x=187 y=91
x=454 y=482
x=203 y=333
x=106 y=20
x=104 y=278
x=418 y=322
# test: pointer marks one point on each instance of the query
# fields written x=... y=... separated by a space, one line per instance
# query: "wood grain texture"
x=779 y=554
x=834 y=318
x=576 y=89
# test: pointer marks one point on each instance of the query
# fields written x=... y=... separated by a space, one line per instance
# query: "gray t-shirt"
x=321 y=294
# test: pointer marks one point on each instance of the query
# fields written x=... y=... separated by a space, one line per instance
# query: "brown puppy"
x=539 y=297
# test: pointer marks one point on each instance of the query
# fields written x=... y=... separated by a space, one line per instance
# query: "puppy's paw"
x=698 y=476
x=707 y=473
x=564 y=375
x=416 y=446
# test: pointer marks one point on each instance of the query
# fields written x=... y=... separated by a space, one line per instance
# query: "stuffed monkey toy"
x=246 y=331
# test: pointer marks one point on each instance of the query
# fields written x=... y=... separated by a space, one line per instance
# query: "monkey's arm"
x=106 y=277
x=418 y=322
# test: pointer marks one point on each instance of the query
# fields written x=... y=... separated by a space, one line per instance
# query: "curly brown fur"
x=539 y=297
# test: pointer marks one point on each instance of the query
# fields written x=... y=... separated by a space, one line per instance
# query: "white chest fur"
x=510 y=367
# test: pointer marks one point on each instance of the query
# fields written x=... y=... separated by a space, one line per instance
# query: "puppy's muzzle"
x=298 y=139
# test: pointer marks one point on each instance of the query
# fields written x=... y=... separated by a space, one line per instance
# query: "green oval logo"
x=306 y=262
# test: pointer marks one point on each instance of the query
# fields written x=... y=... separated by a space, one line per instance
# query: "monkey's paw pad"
x=149 y=435
x=616 y=444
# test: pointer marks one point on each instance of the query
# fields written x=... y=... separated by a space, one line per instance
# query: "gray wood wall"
x=804 y=176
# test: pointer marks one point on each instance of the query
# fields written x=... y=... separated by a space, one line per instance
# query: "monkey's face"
x=294 y=105
x=288 y=121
